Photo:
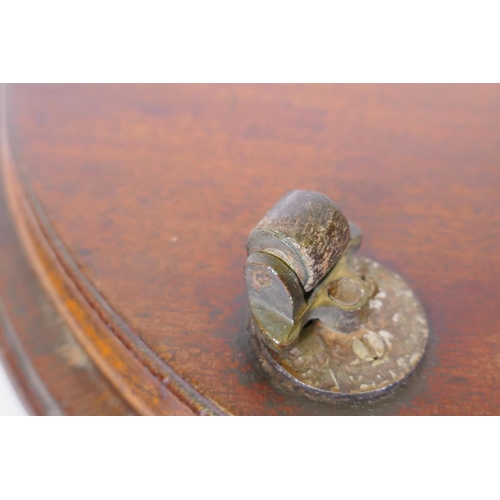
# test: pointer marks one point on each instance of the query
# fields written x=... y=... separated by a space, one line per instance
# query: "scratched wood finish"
x=151 y=192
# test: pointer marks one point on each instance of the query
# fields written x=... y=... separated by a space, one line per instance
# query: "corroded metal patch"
x=307 y=231
x=328 y=365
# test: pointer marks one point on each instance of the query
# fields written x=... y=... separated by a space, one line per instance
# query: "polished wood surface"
x=134 y=203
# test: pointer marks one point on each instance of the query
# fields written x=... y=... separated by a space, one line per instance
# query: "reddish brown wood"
x=54 y=374
x=135 y=204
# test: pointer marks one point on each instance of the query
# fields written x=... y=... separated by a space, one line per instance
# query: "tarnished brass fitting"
x=326 y=323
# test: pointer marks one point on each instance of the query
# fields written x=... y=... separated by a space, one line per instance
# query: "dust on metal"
x=358 y=333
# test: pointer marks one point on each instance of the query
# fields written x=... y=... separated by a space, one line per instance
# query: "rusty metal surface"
x=307 y=231
x=326 y=365
x=359 y=333
x=276 y=297
x=294 y=246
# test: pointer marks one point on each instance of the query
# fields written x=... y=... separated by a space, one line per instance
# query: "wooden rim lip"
x=149 y=384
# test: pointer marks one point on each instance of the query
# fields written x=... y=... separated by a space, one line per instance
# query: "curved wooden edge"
x=50 y=370
x=33 y=393
x=146 y=382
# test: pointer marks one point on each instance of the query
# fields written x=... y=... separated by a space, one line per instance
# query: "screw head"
x=370 y=347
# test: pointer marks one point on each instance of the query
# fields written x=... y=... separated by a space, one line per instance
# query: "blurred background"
x=10 y=404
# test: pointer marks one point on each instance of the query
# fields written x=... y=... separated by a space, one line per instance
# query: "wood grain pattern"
x=146 y=195
x=53 y=373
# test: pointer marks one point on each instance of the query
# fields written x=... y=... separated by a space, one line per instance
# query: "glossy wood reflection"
x=150 y=191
